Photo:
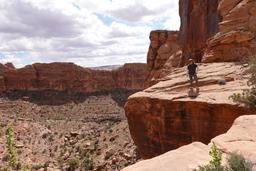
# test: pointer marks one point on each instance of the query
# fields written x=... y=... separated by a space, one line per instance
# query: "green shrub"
x=11 y=149
x=11 y=155
x=236 y=162
x=87 y=163
x=24 y=168
x=248 y=96
x=215 y=163
x=73 y=164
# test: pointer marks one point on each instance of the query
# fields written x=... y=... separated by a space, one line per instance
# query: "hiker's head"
x=191 y=61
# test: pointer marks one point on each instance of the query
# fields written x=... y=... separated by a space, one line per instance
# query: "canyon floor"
x=94 y=131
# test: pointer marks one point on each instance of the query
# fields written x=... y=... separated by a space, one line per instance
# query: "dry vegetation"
x=91 y=135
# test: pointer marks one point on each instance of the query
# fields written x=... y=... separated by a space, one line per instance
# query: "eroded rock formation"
x=236 y=36
x=161 y=53
x=210 y=31
x=164 y=117
x=70 y=77
x=240 y=138
x=199 y=21
x=217 y=31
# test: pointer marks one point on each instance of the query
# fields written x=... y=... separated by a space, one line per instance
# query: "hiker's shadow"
x=193 y=92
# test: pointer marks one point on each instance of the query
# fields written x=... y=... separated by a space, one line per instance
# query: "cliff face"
x=169 y=115
x=210 y=31
x=199 y=21
x=236 y=36
x=240 y=138
x=70 y=77
x=164 y=117
x=217 y=31
x=162 y=53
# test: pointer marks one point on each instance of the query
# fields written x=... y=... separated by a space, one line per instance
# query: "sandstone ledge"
x=163 y=117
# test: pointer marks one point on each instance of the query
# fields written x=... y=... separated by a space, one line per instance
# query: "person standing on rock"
x=192 y=72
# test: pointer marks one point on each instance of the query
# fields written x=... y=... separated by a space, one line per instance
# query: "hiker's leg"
x=196 y=80
x=191 y=80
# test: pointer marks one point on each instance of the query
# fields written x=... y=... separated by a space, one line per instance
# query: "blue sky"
x=86 y=32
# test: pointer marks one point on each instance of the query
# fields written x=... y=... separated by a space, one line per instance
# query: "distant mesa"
x=68 y=78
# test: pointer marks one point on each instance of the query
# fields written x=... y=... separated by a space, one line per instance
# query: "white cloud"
x=87 y=32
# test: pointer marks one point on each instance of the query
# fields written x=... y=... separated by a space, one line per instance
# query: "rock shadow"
x=193 y=92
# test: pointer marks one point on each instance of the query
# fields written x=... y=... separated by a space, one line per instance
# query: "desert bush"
x=10 y=146
x=215 y=163
x=87 y=163
x=73 y=164
x=236 y=162
x=11 y=154
x=248 y=96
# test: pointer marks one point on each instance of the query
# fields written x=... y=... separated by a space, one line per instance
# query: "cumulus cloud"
x=87 y=32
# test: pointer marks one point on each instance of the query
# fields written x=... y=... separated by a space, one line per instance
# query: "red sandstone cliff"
x=70 y=77
x=236 y=36
x=240 y=138
x=210 y=31
x=199 y=21
x=217 y=31
x=165 y=117
x=162 y=51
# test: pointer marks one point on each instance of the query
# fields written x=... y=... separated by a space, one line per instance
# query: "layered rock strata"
x=236 y=36
x=162 y=49
x=240 y=138
x=70 y=77
x=217 y=31
x=210 y=31
x=199 y=22
x=165 y=117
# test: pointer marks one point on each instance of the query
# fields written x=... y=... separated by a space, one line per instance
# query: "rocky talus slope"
x=239 y=138
x=50 y=137
x=169 y=114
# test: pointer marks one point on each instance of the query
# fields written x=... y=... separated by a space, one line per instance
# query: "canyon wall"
x=210 y=31
x=199 y=21
x=164 y=116
x=162 y=53
x=240 y=138
x=70 y=77
x=170 y=114
x=236 y=36
x=217 y=31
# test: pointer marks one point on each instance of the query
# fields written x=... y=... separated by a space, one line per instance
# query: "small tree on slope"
x=248 y=96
